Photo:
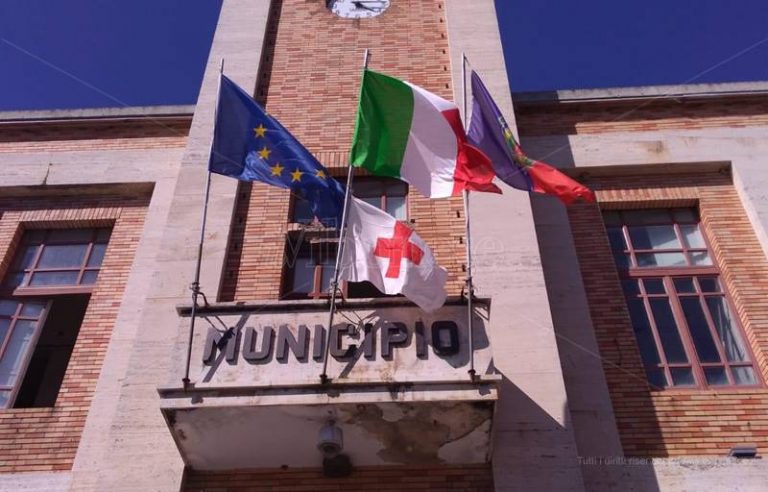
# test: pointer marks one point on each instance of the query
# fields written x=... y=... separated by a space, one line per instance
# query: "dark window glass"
x=681 y=317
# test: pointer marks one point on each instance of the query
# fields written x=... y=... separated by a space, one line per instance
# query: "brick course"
x=676 y=422
x=46 y=439
x=309 y=80
x=475 y=478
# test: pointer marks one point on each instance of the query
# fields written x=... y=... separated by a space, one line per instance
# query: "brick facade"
x=41 y=439
x=676 y=422
x=469 y=478
x=309 y=80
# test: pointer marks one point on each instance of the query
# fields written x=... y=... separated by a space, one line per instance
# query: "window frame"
x=668 y=274
x=384 y=183
x=96 y=237
x=30 y=349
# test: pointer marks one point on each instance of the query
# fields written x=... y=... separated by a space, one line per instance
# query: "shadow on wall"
x=600 y=450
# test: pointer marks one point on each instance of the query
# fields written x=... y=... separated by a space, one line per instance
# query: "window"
x=43 y=299
x=385 y=193
x=310 y=267
x=54 y=258
x=681 y=316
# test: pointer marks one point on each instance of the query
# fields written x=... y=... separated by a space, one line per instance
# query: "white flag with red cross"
x=390 y=255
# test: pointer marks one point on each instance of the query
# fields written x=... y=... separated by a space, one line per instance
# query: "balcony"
x=398 y=387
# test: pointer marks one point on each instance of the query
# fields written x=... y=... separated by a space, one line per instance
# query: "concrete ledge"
x=313 y=305
x=644 y=92
x=135 y=112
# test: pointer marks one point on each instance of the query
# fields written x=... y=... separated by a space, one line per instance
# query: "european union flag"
x=250 y=145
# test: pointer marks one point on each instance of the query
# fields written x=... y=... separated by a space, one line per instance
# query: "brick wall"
x=676 y=422
x=95 y=135
x=310 y=79
x=434 y=478
x=43 y=439
x=639 y=115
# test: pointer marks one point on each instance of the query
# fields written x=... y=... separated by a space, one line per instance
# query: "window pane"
x=684 y=285
x=630 y=287
x=654 y=286
x=667 y=328
x=643 y=334
x=743 y=375
x=70 y=235
x=657 y=378
x=638 y=217
x=97 y=255
x=26 y=257
x=32 y=309
x=303 y=277
x=612 y=218
x=62 y=256
x=89 y=277
x=54 y=278
x=616 y=238
x=302 y=212
x=396 y=207
x=709 y=284
x=682 y=376
x=716 y=376
x=654 y=237
x=327 y=274
x=8 y=307
x=697 y=324
x=660 y=259
x=14 y=280
x=4 y=397
x=621 y=259
x=692 y=236
x=102 y=235
x=685 y=215
x=4 y=324
x=701 y=258
x=729 y=335
x=21 y=338
x=373 y=200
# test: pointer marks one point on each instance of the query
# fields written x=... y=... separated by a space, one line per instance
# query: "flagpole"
x=470 y=287
x=196 y=283
x=339 y=253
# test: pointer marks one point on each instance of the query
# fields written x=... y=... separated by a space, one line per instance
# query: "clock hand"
x=362 y=5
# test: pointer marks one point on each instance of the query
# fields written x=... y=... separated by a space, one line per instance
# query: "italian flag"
x=406 y=132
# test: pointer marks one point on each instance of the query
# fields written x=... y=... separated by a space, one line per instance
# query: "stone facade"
x=566 y=405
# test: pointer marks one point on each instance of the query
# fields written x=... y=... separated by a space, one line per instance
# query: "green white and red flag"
x=406 y=132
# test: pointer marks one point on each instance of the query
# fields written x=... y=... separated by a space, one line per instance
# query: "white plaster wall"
x=534 y=446
x=746 y=149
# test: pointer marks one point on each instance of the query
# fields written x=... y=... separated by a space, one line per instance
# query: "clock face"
x=357 y=9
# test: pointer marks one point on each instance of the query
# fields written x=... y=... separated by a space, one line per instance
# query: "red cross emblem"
x=397 y=248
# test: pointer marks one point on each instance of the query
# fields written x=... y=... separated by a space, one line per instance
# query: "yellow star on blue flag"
x=250 y=145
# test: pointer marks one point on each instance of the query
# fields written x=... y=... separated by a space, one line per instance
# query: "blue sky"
x=91 y=53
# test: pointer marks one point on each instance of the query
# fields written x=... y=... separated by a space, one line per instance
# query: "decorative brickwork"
x=386 y=478
x=40 y=439
x=676 y=422
x=639 y=115
x=309 y=80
